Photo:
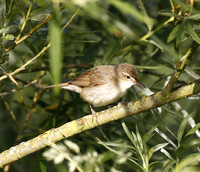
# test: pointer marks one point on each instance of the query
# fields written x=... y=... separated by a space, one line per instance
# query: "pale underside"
x=103 y=94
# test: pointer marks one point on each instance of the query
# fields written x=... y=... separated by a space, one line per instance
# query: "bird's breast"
x=102 y=95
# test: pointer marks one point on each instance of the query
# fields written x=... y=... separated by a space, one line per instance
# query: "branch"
x=180 y=67
x=19 y=41
x=82 y=124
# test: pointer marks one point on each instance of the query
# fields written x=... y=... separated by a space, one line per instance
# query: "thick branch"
x=77 y=126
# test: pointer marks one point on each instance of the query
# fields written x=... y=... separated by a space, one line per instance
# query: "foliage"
x=152 y=35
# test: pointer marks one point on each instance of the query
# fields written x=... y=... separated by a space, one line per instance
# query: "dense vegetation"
x=46 y=42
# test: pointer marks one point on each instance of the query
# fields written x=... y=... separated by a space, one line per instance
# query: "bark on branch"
x=77 y=126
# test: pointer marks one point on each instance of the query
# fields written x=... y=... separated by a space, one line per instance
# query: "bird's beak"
x=141 y=84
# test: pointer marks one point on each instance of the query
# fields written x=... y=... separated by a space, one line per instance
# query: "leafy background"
x=150 y=34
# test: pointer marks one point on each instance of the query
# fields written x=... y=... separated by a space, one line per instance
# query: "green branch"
x=77 y=126
x=180 y=67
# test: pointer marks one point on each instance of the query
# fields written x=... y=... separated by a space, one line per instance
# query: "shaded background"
x=102 y=32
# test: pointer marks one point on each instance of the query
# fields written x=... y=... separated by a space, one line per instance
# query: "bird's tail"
x=58 y=85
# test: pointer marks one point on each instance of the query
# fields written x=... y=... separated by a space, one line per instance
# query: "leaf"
x=173 y=33
x=180 y=33
x=193 y=130
x=148 y=22
x=149 y=134
x=127 y=8
x=192 y=33
x=8 y=37
x=159 y=146
x=139 y=139
x=169 y=14
x=128 y=133
x=43 y=166
x=182 y=128
x=187 y=163
x=150 y=153
x=194 y=17
x=55 y=51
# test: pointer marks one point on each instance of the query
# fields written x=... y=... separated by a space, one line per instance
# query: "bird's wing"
x=95 y=77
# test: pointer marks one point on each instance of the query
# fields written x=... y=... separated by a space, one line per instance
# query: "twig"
x=25 y=21
x=27 y=63
x=145 y=37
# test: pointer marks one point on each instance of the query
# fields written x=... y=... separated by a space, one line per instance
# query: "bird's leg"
x=93 y=114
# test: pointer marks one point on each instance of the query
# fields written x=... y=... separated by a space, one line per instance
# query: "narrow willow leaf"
x=164 y=136
x=194 y=17
x=139 y=138
x=180 y=33
x=173 y=33
x=149 y=67
x=127 y=8
x=192 y=33
x=128 y=133
x=150 y=153
x=182 y=128
x=167 y=153
x=8 y=37
x=149 y=134
x=55 y=51
x=193 y=130
x=134 y=163
x=191 y=142
x=43 y=167
x=187 y=163
x=169 y=14
x=148 y=22
x=159 y=146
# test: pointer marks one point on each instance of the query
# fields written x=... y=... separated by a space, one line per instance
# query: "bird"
x=104 y=84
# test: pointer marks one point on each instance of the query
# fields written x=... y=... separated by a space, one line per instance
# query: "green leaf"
x=150 y=153
x=127 y=8
x=43 y=167
x=148 y=22
x=169 y=14
x=188 y=163
x=149 y=67
x=139 y=139
x=193 y=130
x=8 y=37
x=182 y=128
x=55 y=51
x=180 y=33
x=191 y=142
x=149 y=134
x=128 y=133
x=173 y=33
x=192 y=33
x=194 y=17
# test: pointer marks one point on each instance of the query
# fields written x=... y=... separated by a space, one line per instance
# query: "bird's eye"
x=128 y=77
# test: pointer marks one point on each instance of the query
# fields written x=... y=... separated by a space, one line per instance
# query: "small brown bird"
x=104 y=84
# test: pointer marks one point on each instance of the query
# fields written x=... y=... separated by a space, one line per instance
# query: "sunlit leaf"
x=193 y=130
x=189 y=163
